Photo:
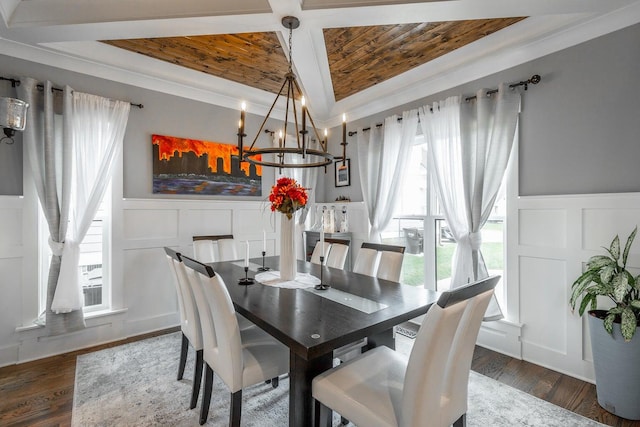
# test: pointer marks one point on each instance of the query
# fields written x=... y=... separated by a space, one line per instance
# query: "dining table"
x=313 y=323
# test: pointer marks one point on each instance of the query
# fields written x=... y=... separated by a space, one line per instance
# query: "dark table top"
x=312 y=325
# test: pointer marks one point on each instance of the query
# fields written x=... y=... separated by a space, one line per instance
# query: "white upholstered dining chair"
x=366 y=261
x=203 y=249
x=320 y=250
x=383 y=388
x=189 y=322
x=338 y=254
x=215 y=248
x=240 y=357
x=390 y=265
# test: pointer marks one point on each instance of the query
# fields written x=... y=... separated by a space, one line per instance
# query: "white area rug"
x=135 y=385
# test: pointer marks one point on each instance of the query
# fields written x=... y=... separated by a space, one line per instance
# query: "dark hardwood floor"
x=40 y=393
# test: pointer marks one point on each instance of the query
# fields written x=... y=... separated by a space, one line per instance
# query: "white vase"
x=288 y=262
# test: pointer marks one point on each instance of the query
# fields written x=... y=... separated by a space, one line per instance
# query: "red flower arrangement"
x=287 y=196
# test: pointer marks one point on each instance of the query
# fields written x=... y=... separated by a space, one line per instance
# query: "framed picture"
x=190 y=166
x=343 y=173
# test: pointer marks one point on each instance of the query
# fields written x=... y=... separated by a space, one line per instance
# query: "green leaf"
x=608 y=323
x=579 y=287
x=635 y=304
x=598 y=261
x=615 y=310
x=614 y=250
x=628 y=323
x=627 y=247
x=589 y=298
x=607 y=273
x=620 y=286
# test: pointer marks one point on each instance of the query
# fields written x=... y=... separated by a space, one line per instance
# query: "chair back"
x=318 y=251
x=209 y=338
x=172 y=255
x=459 y=364
x=190 y=317
x=227 y=249
x=366 y=262
x=390 y=265
x=382 y=247
x=224 y=355
x=338 y=254
x=204 y=248
x=433 y=351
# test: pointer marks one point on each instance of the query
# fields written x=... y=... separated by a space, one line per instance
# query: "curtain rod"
x=16 y=82
x=534 y=80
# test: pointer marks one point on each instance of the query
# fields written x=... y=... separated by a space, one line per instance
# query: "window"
x=408 y=224
x=94 y=252
x=420 y=226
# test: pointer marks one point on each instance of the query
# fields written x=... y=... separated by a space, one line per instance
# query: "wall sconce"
x=13 y=115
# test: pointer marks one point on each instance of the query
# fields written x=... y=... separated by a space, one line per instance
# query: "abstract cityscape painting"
x=190 y=166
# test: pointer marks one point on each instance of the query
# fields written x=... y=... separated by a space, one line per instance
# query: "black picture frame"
x=343 y=173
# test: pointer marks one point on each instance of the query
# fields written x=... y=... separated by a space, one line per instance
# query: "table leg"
x=383 y=338
x=301 y=373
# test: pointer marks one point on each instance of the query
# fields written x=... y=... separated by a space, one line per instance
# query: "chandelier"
x=297 y=153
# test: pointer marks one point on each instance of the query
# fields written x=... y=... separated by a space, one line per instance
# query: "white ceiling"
x=64 y=33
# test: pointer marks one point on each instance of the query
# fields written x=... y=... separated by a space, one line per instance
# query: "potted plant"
x=615 y=341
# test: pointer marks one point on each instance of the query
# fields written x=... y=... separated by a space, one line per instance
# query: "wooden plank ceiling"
x=359 y=57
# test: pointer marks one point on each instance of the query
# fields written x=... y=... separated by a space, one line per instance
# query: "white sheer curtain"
x=48 y=147
x=98 y=126
x=470 y=144
x=382 y=161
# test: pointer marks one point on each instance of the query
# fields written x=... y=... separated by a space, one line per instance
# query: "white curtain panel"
x=48 y=146
x=98 y=126
x=469 y=145
x=382 y=161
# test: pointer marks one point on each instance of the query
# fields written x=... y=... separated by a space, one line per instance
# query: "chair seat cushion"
x=263 y=361
x=366 y=390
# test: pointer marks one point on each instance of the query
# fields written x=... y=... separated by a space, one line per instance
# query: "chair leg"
x=275 y=382
x=236 y=409
x=461 y=422
x=206 y=394
x=183 y=356
x=323 y=415
x=197 y=380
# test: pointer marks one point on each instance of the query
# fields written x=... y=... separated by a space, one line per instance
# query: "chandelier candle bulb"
x=304 y=118
x=344 y=128
x=243 y=108
x=264 y=241
x=246 y=256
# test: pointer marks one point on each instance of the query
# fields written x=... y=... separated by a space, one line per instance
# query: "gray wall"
x=579 y=128
x=162 y=114
x=578 y=131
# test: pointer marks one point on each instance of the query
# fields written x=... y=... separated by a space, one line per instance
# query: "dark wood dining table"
x=312 y=325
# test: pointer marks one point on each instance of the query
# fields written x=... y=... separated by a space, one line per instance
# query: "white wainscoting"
x=144 y=298
x=149 y=225
x=550 y=238
x=555 y=236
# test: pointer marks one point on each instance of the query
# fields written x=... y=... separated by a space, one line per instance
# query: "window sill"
x=87 y=316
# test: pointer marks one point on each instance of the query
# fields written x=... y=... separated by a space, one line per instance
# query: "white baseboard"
x=501 y=336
